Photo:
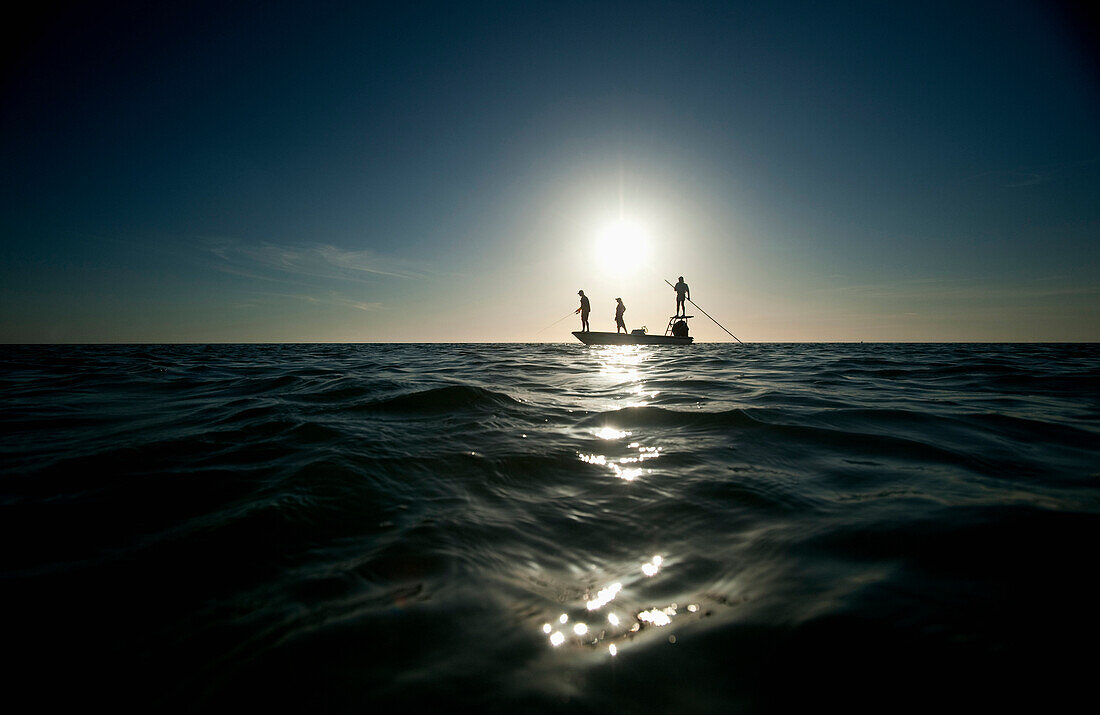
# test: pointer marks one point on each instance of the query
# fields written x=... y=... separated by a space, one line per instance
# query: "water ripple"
x=547 y=527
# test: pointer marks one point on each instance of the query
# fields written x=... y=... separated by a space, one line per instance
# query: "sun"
x=621 y=245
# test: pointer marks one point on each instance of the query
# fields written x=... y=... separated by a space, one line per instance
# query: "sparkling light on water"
x=655 y=616
x=604 y=596
x=616 y=466
x=654 y=565
x=551 y=530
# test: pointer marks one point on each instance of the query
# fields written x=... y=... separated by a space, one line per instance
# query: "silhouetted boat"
x=675 y=334
x=594 y=337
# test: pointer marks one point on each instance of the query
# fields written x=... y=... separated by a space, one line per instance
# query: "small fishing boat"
x=675 y=334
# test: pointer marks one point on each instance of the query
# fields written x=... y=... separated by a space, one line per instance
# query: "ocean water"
x=550 y=527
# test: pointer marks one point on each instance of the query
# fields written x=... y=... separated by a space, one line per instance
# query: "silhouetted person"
x=619 y=310
x=682 y=292
x=584 y=310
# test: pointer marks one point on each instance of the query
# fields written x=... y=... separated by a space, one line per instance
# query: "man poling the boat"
x=700 y=309
x=682 y=292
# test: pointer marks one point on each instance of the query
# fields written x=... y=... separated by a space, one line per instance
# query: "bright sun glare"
x=621 y=245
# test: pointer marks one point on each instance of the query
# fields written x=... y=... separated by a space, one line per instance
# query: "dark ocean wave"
x=452 y=398
x=348 y=527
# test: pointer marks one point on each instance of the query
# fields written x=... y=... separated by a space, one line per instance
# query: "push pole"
x=708 y=315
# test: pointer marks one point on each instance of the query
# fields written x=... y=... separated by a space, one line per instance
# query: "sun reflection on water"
x=621 y=364
x=653 y=566
x=657 y=616
x=605 y=596
x=622 y=467
x=621 y=360
x=619 y=628
x=614 y=614
x=628 y=473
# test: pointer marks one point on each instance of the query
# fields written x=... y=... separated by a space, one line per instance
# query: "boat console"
x=677 y=326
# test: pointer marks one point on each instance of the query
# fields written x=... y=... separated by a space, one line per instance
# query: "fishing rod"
x=708 y=315
x=572 y=312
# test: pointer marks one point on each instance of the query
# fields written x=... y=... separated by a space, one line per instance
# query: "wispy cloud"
x=966 y=289
x=1029 y=176
x=305 y=263
x=318 y=274
x=329 y=298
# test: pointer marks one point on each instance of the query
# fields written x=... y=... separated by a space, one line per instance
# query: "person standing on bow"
x=619 y=310
x=584 y=310
x=682 y=292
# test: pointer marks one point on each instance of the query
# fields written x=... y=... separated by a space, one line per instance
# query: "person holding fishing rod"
x=682 y=292
x=584 y=310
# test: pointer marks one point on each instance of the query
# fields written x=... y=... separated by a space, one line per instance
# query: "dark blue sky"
x=346 y=171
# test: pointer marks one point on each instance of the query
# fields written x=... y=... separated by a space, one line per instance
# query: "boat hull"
x=598 y=338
